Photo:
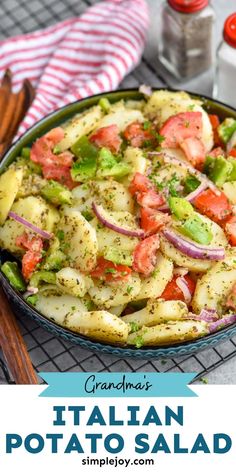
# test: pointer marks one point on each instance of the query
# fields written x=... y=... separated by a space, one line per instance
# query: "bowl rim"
x=164 y=351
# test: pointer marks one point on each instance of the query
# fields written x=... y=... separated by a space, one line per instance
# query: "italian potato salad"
x=121 y=223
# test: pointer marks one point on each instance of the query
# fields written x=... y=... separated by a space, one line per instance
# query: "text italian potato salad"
x=122 y=221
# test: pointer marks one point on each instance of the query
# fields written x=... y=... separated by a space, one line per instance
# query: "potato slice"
x=168 y=333
x=121 y=117
x=73 y=282
x=81 y=239
x=57 y=307
x=153 y=286
x=99 y=325
x=107 y=296
x=10 y=182
x=80 y=125
x=158 y=311
x=214 y=286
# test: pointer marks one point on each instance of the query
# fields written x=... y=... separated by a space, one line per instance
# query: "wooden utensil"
x=13 y=108
x=13 y=345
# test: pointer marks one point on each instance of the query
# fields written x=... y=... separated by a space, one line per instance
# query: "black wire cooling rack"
x=54 y=354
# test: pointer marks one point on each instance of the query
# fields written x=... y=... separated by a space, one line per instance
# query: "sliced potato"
x=214 y=286
x=229 y=188
x=113 y=196
x=80 y=239
x=10 y=182
x=153 y=286
x=121 y=117
x=99 y=325
x=57 y=307
x=195 y=265
x=158 y=311
x=168 y=333
x=33 y=209
x=108 y=238
x=73 y=282
x=163 y=104
x=104 y=295
x=80 y=125
x=135 y=158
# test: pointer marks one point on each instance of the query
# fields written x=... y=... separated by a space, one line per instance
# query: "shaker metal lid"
x=188 y=6
x=230 y=30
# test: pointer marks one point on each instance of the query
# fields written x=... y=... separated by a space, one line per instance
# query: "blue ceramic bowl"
x=19 y=304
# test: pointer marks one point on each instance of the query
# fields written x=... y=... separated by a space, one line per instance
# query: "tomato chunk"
x=151 y=221
x=230 y=229
x=194 y=150
x=145 y=255
x=110 y=272
x=180 y=127
x=150 y=199
x=232 y=152
x=140 y=183
x=216 y=207
x=173 y=292
x=136 y=135
x=107 y=137
x=215 y=122
x=60 y=174
x=33 y=255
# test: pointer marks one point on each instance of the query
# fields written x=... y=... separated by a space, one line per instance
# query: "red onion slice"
x=106 y=219
x=181 y=283
x=191 y=249
x=29 y=225
x=30 y=291
x=222 y=322
x=146 y=90
x=208 y=315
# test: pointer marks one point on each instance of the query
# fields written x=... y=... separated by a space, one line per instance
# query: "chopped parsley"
x=139 y=341
x=61 y=235
x=146 y=125
x=129 y=289
x=110 y=270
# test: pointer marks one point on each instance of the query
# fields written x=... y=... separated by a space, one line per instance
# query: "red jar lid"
x=188 y=6
x=230 y=30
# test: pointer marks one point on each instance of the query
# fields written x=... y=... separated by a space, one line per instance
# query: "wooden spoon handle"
x=13 y=346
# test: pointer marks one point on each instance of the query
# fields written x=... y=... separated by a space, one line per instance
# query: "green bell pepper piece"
x=226 y=129
x=109 y=167
x=25 y=152
x=221 y=170
x=104 y=104
x=85 y=167
x=13 y=274
x=196 y=229
x=232 y=176
x=32 y=299
x=118 y=256
x=42 y=276
x=191 y=183
x=83 y=149
x=55 y=260
x=56 y=193
x=181 y=208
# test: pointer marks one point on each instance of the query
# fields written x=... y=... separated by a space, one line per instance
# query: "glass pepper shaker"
x=186 y=37
x=225 y=75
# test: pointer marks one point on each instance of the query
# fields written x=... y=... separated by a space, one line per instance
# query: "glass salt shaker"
x=186 y=37
x=225 y=76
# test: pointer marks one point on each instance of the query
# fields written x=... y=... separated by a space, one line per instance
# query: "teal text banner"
x=77 y=384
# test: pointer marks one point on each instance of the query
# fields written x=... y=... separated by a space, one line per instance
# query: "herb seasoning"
x=186 y=40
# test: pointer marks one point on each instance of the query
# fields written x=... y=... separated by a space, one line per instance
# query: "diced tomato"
x=145 y=255
x=151 y=221
x=33 y=246
x=107 y=137
x=140 y=183
x=110 y=272
x=136 y=135
x=215 y=122
x=216 y=152
x=150 y=199
x=231 y=299
x=216 y=207
x=230 y=229
x=194 y=150
x=41 y=151
x=232 y=152
x=60 y=174
x=180 y=127
x=173 y=292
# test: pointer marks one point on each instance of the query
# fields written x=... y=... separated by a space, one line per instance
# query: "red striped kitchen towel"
x=77 y=57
